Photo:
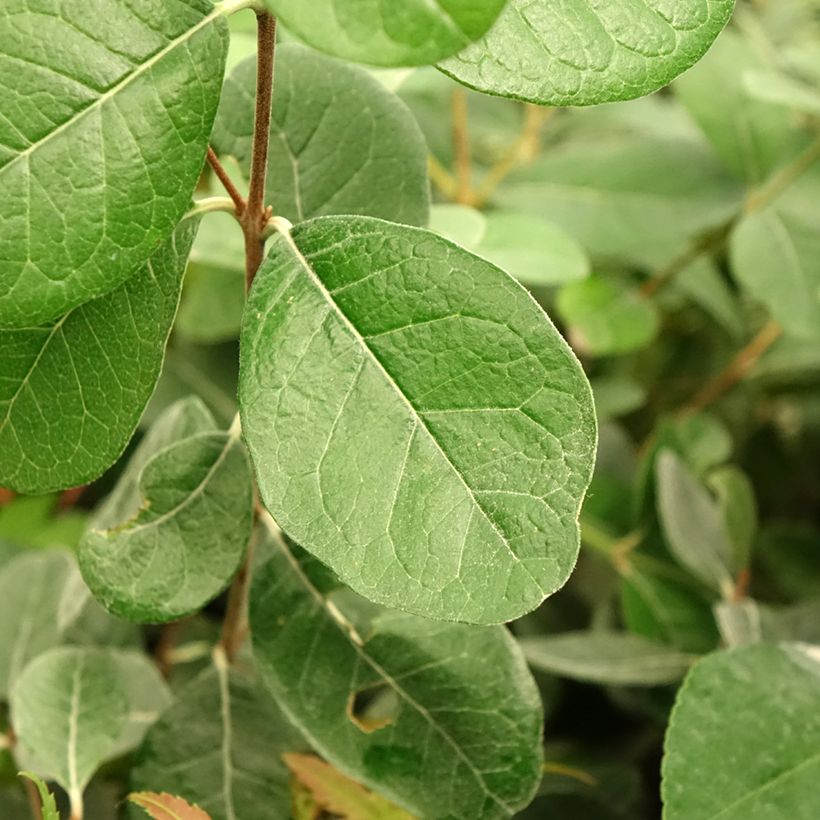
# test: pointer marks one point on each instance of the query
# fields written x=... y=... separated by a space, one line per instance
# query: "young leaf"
x=102 y=139
x=30 y=589
x=388 y=32
x=69 y=709
x=744 y=735
x=220 y=746
x=447 y=735
x=340 y=142
x=452 y=432
x=693 y=524
x=72 y=393
x=339 y=794
x=167 y=807
x=48 y=808
x=581 y=53
x=610 y=658
x=188 y=538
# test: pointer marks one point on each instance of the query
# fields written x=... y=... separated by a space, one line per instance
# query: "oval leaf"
x=388 y=32
x=340 y=142
x=445 y=737
x=102 y=139
x=221 y=745
x=72 y=393
x=744 y=737
x=186 y=542
x=167 y=807
x=451 y=432
x=577 y=52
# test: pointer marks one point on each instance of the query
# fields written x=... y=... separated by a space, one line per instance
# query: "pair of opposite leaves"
x=461 y=394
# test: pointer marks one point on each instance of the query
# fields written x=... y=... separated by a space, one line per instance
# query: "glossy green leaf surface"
x=72 y=709
x=340 y=142
x=220 y=746
x=611 y=658
x=72 y=393
x=440 y=736
x=106 y=117
x=185 y=543
x=575 y=52
x=388 y=32
x=451 y=434
x=744 y=737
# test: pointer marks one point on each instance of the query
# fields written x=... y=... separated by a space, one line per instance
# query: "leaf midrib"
x=116 y=89
x=418 y=417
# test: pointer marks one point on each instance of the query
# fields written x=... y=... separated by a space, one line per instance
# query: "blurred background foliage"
x=675 y=240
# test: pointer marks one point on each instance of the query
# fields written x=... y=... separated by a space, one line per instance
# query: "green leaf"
x=31 y=585
x=103 y=136
x=750 y=136
x=72 y=710
x=187 y=540
x=610 y=658
x=780 y=89
x=388 y=32
x=220 y=745
x=72 y=393
x=340 y=142
x=693 y=524
x=578 y=53
x=633 y=198
x=607 y=317
x=775 y=253
x=743 y=739
x=48 y=809
x=736 y=495
x=617 y=396
x=443 y=736
x=452 y=432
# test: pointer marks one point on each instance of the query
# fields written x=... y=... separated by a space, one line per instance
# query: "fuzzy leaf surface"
x=106 y=117
x=452 y=432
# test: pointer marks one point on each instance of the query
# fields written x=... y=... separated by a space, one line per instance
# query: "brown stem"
x=165 y=648
x=33 y=799
x=256 y=215
x=461 y=147
x=227 y=182
x=783 y=179
x=737 y=369
x=235 y=625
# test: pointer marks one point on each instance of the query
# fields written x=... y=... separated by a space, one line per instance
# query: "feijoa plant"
x=396 y=469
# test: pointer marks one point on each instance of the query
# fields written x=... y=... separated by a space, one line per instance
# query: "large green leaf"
x=441 y=718
x=611 y=658
x=585 y=52
x=388 y=32
x=185 y=543
x=744 y=737
x=106 y=115
x=340 y=142
x=73 y=709
x=72 y=393
x=451 y=432
x=220 y=746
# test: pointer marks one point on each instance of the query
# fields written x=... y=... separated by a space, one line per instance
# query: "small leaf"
x=464 y=738
x=339 y=794
x=693 y=524
x=617 y=659
x=48 y=808
x=580 y=53
x=388 y=32
x=167 y=807
x=73 y=393
x=780 y=89
x=340 y=142
x=188 y=538
x=452 y=431
x=221 y=744
x=743 y=738
x=102 y=140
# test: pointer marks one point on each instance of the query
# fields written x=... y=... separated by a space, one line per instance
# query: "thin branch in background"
x=235 y=626
x=442 y=178
x=227 y=182
x=737 y=370
x=523 y=150
x=783 y=179
x=461 y=148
